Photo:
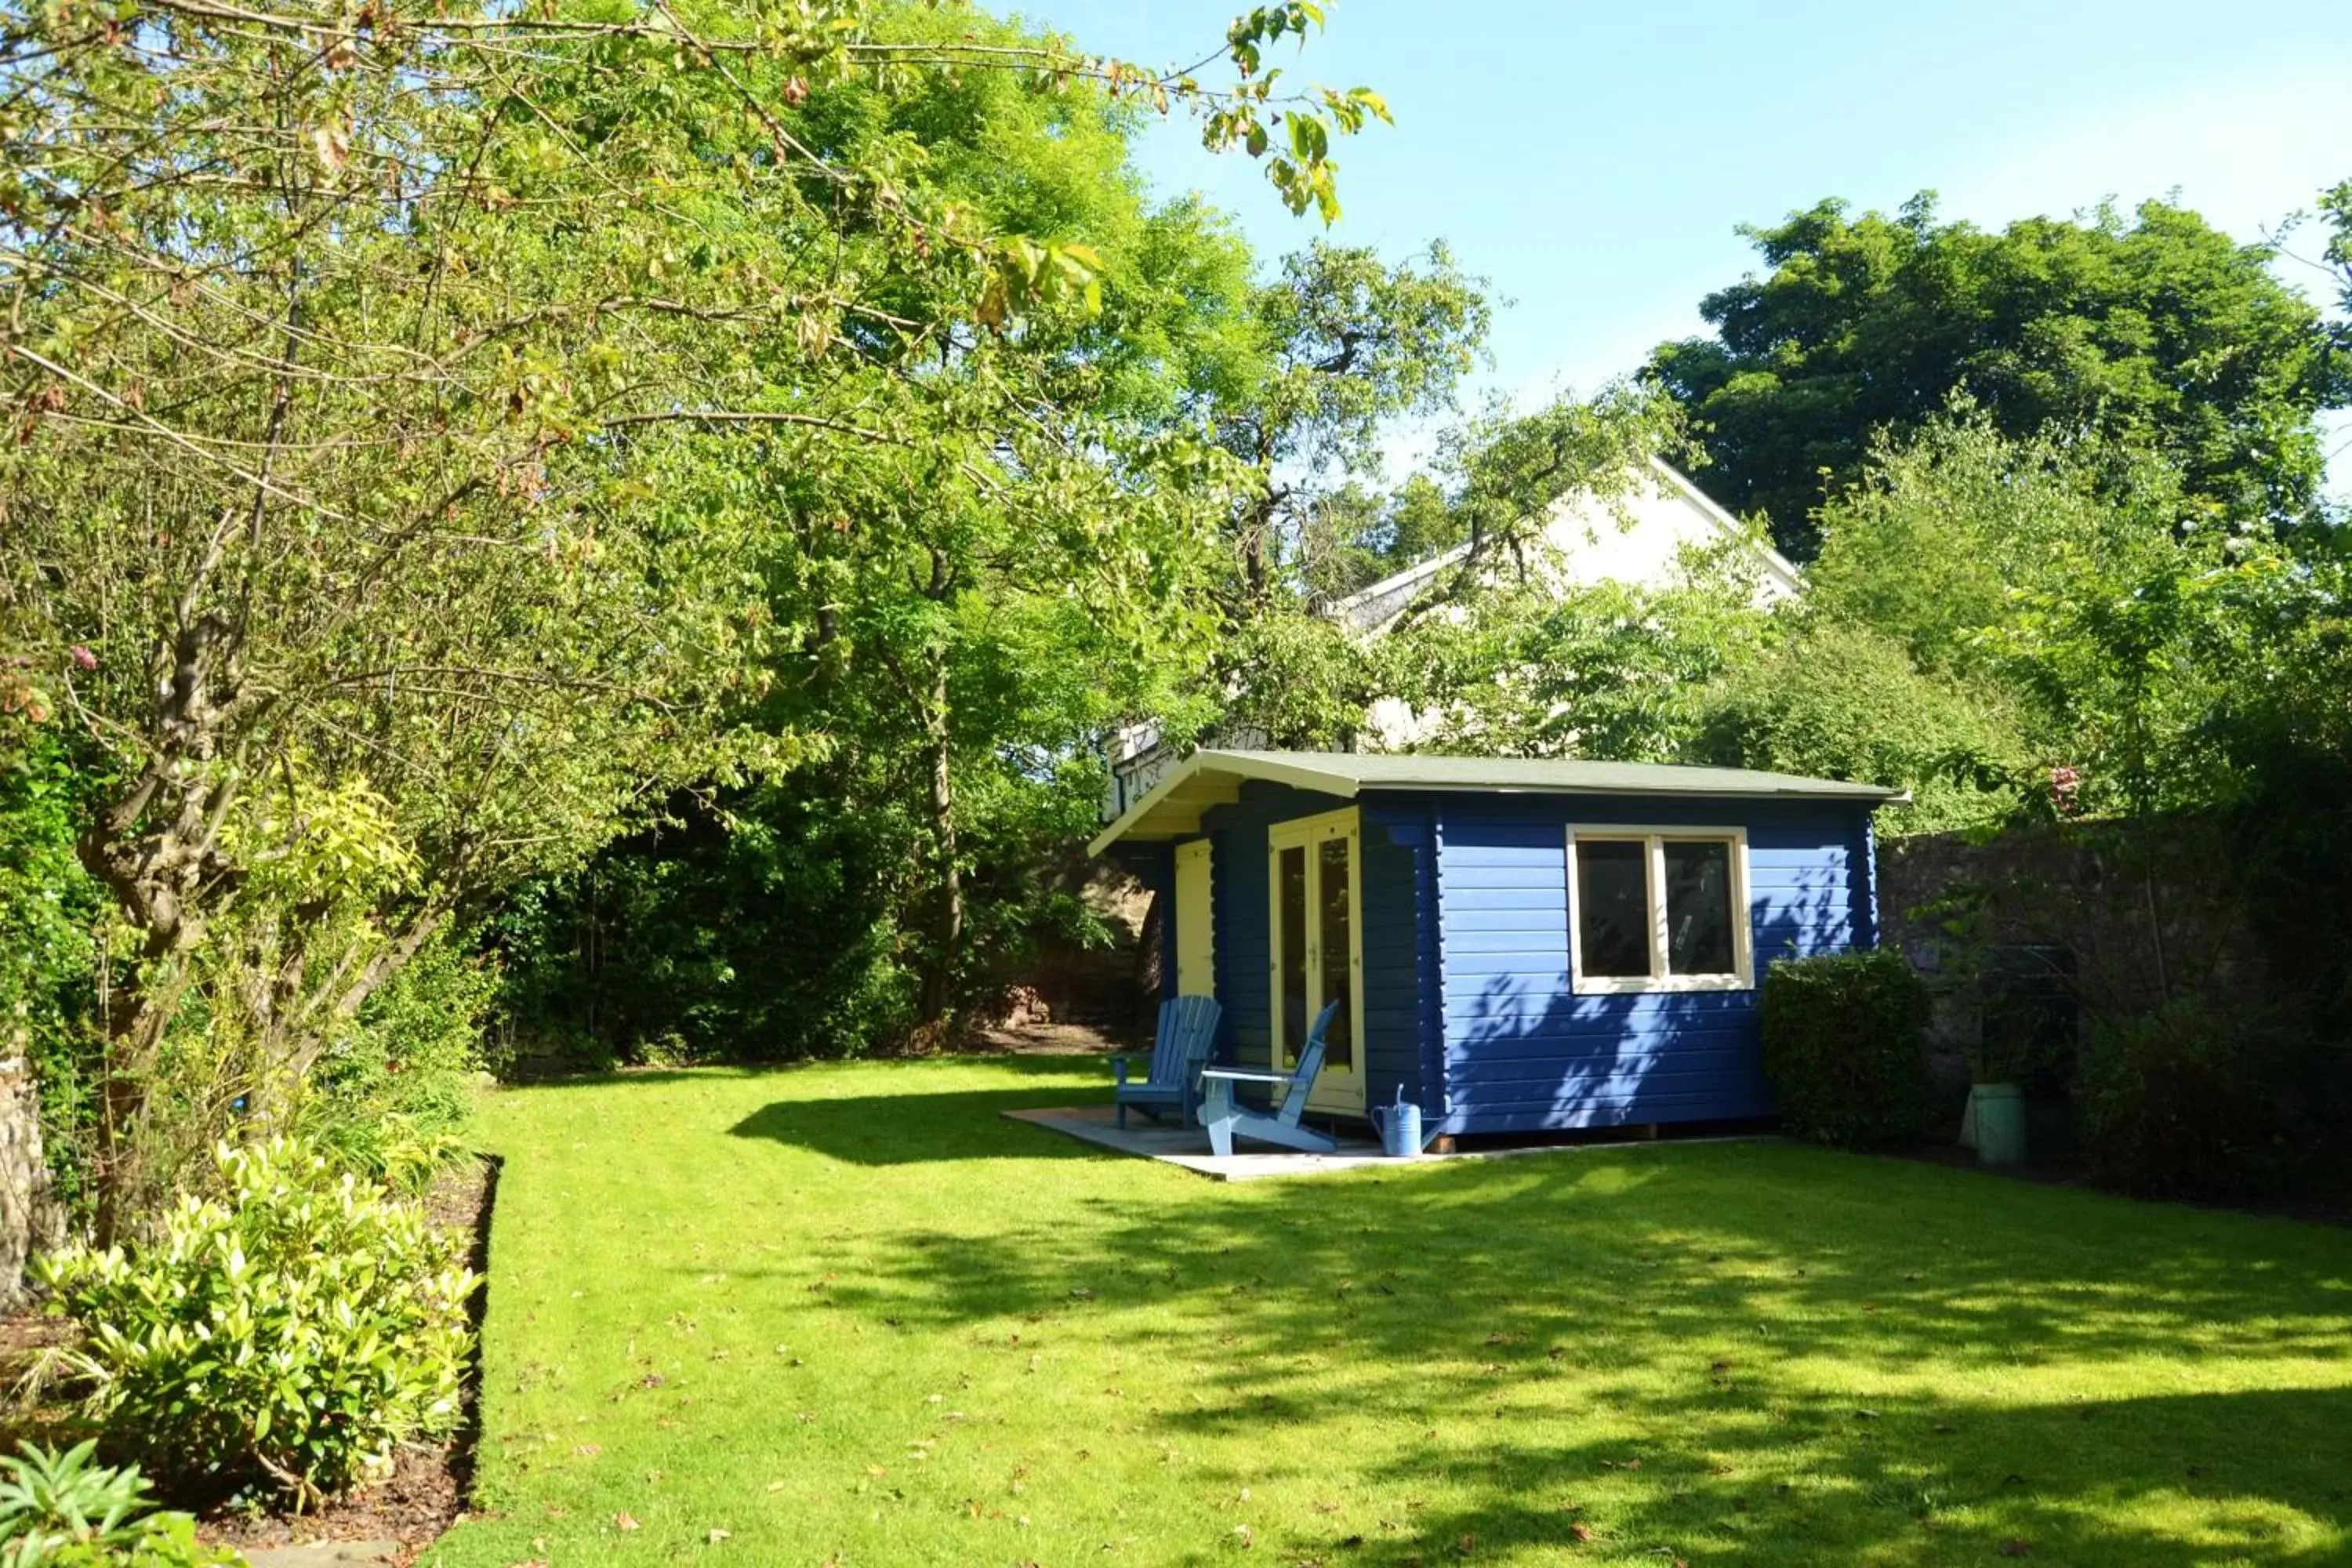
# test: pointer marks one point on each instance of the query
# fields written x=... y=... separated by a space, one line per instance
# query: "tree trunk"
x=29 y=1217
x=1257 y=544
x=155 y=848
x=939 y=984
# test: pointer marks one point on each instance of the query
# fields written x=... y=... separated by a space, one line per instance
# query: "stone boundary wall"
x=2146 y=910
x=2117 y=916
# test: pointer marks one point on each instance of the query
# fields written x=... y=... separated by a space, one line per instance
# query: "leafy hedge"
x=48 y=906
x=1842 y=1047
x=2194 y=1101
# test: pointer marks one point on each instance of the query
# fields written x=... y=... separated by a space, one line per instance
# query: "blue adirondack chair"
x=1188 y=1030
x=1227 y=1120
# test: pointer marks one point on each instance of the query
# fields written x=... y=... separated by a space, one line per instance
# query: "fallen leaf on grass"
x=716 y=1536
x=621 y=1520
x=1581 y=1533
x=2015 y=1548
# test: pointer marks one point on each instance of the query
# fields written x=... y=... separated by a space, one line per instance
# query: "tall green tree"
x=385 y=383
x=1338 y=346
x=2066 y=585
x=1610 y=671
x=1466 y=651
x=2156 y=329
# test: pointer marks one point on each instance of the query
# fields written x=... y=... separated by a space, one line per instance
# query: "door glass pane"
x=1698 y=908
x=1290 y=885
x=1612 y=906
x=1332 y=869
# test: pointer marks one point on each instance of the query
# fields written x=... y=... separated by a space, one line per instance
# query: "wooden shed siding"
x=1521 y=1051
x=1392 y=1014
x=1430 y=960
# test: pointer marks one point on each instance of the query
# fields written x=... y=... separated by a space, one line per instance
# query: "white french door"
x=1318 y=928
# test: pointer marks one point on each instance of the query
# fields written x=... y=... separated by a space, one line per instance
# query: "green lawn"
x=850 y=1315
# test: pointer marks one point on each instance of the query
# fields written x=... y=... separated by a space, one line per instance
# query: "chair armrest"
x=1118 y=1068
x=1239 y=1074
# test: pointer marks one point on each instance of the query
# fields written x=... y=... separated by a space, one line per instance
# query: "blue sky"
x=1593 y=161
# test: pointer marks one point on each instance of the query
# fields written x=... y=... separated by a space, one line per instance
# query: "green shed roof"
x=1211 y=778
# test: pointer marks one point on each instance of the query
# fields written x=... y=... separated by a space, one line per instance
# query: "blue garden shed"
x=1517 y=944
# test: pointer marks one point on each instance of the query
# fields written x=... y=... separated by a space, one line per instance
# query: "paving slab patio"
x=1188 y=1147
x=325 y=1554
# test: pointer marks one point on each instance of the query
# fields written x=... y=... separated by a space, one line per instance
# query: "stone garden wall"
x=2073 y=921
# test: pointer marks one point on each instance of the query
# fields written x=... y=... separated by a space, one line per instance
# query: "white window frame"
x=1743 y=977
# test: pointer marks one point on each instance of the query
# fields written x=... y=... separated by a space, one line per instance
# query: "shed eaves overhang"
x=1174 y=807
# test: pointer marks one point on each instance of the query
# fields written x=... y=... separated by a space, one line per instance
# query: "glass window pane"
x=1290 y=874
x=1612 y=906
x=1698 y=907
x=1331 y=877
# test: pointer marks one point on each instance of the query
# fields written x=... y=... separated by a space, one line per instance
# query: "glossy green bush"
x=61 y=1510
x=287 y=1336
x=1842 y=1047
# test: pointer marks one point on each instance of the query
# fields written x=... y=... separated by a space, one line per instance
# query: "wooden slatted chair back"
x=1167 y=1048
x=1310 y=1064
x=1196 y=1036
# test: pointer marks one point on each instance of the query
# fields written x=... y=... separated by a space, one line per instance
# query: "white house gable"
x=1643 y=539
x=1640 y=538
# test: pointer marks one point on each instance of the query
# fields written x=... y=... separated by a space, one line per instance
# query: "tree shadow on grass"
x=1808 y=1346
x=916 y=1129
x=2192 y=1478
x=1022 y=1064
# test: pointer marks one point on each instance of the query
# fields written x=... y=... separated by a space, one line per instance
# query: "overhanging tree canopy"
x=2157 y=327
x=384 y=381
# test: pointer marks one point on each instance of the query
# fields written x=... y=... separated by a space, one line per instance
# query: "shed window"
x=1658 y=910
